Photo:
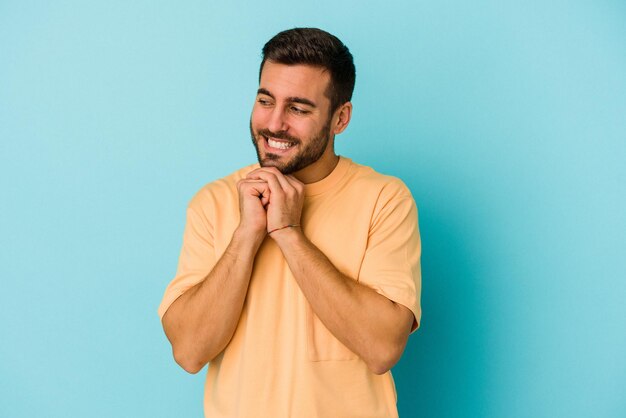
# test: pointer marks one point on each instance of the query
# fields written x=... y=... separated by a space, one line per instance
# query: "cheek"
x=301 y=125
x=256 y=119
x=309 y=130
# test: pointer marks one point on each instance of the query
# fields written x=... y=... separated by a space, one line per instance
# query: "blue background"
x=506 y=119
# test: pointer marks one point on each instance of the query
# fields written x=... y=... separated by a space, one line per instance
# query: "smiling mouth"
x=279 y=145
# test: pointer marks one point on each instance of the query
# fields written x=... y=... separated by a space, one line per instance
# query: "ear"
x=341 y=118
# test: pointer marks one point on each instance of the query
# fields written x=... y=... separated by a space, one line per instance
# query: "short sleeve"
x=391 y=264
x=197 y=256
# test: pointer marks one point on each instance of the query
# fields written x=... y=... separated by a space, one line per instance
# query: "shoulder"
x=385 y=186
x=388 y=198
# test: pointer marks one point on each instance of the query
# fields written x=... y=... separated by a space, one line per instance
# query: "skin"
x=291 y=107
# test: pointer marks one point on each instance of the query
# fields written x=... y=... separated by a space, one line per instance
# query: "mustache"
x=279 y=135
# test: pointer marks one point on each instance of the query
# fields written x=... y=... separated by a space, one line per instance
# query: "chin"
x=273 y=163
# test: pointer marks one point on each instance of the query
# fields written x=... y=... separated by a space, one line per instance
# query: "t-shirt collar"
x=330 y=180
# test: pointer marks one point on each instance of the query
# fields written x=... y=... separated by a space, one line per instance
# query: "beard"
x=306 y=156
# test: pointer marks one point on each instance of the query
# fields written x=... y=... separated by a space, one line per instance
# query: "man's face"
x=290 y=123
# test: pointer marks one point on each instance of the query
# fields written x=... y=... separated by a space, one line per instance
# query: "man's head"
x=305 y=85
x=317 y=48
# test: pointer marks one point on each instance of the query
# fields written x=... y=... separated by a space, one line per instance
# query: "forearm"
x=369 y=324
x=201 y=322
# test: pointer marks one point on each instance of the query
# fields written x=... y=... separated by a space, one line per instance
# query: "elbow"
x=378 y=369
x=193 y=356
x=385 y=359
x=191 y=364
x=381 y=366
x=186 y=353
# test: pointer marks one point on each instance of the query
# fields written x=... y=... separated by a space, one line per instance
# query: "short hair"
x=312 y=46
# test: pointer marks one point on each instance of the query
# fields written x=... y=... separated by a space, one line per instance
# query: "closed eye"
x=299 y=110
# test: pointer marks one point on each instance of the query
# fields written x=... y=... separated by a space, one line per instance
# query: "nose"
x=277 y=122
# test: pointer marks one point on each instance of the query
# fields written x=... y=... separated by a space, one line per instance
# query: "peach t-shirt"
x=282 y=361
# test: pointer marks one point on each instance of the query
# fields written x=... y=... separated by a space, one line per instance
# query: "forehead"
x=295 y=80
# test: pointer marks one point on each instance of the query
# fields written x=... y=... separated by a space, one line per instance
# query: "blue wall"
x=506 y=119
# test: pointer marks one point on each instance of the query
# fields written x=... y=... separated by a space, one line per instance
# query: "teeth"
x=279 y=145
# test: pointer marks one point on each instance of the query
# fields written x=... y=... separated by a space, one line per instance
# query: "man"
x=299 y=279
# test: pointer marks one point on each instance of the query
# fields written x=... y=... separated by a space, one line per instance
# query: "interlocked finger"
x=277 y=182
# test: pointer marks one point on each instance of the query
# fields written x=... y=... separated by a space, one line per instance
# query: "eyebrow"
x=301 y=100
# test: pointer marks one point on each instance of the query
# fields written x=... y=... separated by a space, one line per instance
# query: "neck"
x=318 y=170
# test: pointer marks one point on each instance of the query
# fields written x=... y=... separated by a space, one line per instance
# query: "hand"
x=286 y=197
x=254 y=195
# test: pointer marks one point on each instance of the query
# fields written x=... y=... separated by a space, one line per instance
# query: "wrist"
x=293 y=225
x=245 y=237
x=287 y=235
